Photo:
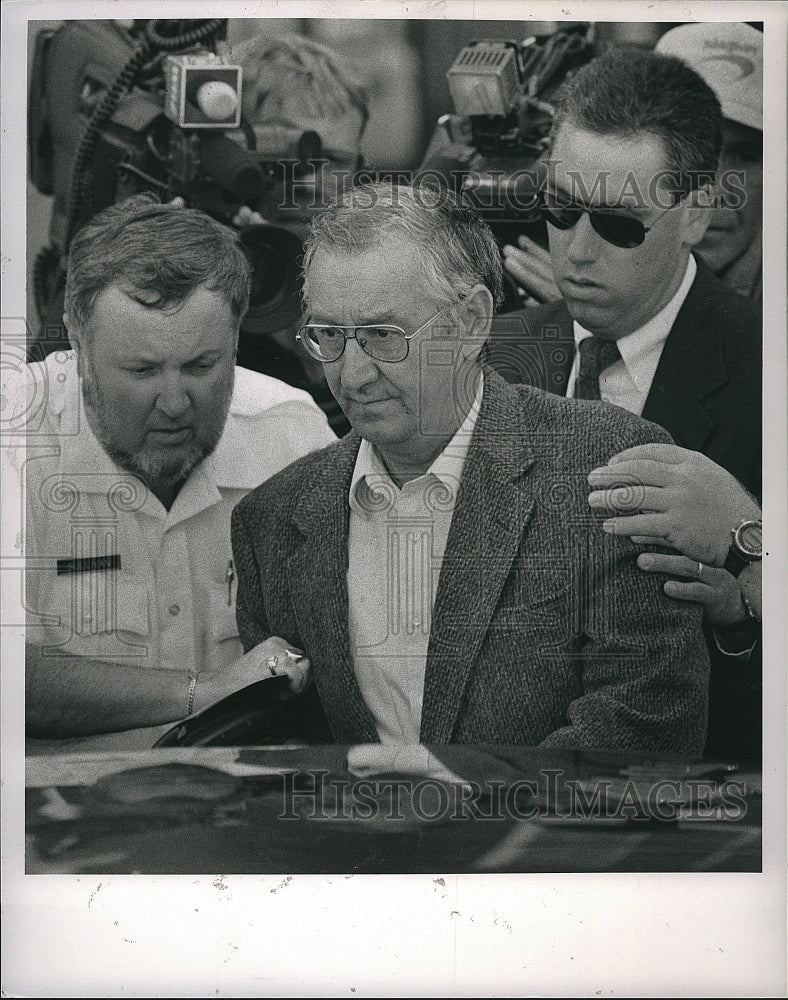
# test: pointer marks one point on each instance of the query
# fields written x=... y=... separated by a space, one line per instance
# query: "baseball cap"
x=729 y=57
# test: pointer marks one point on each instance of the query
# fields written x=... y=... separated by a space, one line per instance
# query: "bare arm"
x=76 y=696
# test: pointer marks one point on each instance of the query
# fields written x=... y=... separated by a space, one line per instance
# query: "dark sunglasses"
x=612 y=225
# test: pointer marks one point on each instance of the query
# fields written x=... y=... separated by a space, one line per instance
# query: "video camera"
x=490 y=149
x=117 y=108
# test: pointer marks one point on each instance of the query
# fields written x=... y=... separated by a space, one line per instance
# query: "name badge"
x=93 y=564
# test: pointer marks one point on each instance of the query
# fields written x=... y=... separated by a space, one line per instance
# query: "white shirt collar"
x=230 y=465
x=447 y=466
x=640 y=350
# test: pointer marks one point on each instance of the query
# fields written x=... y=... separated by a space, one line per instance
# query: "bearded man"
x=139 y=443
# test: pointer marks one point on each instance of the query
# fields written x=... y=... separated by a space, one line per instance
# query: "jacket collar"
x=497 y=497
x=500 y=445
x=691 y=367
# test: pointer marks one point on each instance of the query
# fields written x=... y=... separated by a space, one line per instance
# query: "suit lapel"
x=691 y=367
x=317 y=575
x=495 y=503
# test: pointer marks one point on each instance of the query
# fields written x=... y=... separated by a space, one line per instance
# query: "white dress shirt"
x=627 y=383
x=397 y=538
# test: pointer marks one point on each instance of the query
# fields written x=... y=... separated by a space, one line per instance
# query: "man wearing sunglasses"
x=439 y=566
x=729 y=57
x=642 y=324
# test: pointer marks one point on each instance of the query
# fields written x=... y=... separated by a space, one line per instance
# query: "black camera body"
x=490 y=149
x=115 y=110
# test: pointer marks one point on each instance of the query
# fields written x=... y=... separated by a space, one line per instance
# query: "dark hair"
x=456 y=247
x=157 y=254
x=629 y=92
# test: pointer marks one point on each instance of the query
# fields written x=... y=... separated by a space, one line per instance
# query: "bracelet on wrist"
x=190 y=697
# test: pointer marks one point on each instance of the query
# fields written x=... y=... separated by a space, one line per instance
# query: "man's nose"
x=358 y=368
x=173 y=400
x=583 y=246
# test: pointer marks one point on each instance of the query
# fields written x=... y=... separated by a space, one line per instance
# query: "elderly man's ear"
x=698 y=214
x=478 y=313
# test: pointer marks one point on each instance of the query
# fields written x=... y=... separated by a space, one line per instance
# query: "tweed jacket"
x=707 y=387
x=544 y=632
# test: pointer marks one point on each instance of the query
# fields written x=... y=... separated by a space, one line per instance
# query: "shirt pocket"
x=222 y=628
x=99 y=615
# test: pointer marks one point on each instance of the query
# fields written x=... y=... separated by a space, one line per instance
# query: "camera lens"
x=275 y=255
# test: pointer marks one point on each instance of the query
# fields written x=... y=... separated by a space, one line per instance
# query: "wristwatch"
x=746 y=546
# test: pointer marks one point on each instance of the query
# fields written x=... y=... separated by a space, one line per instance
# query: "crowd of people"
x=543 y=528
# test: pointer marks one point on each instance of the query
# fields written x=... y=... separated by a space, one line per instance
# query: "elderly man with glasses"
x=440 y=566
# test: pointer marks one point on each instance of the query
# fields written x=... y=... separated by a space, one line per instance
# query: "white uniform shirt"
x=170 y=603
x=627 y=383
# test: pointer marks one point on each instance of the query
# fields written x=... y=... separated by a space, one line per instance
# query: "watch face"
x=749 y=538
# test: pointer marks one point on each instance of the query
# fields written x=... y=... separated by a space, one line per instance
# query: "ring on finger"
x=272 y=663
x=698 y=571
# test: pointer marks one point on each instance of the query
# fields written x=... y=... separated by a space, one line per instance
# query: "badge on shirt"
x=92 y=564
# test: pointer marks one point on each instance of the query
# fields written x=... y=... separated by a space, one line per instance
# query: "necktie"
x=596 y=354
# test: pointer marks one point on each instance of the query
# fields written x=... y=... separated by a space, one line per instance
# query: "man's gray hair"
x=456 y=248
x=156 y=254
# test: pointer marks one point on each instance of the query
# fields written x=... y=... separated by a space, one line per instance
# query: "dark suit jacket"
x=707 y=387
x=543 y=632
x=706 y=393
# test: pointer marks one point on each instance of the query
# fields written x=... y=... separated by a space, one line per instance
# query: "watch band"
x=735 y=561
x=738 y=555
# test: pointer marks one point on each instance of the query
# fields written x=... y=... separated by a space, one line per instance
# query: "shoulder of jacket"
x=289 y=479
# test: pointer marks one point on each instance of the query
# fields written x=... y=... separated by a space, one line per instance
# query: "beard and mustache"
x=156 y=467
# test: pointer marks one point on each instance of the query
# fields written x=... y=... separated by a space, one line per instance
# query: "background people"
x=729 y=57
x=307 y=107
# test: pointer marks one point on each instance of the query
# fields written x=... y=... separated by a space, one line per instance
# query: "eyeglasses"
x=381 y=341
x=612 y=225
